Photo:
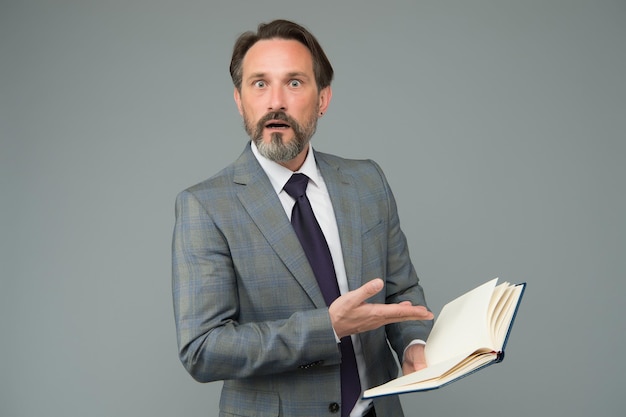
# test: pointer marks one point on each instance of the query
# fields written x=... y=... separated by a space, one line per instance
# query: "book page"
x=434 y=376
x=461 y=327
x=426 y=374
x=504 y=318
x=496 y=309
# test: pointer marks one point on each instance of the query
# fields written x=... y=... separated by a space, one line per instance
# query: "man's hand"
x=350 y=314
x=414 y=359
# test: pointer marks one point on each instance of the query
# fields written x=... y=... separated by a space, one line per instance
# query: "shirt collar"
x=279 y=175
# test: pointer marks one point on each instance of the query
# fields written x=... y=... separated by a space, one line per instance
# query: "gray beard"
x=276 y=150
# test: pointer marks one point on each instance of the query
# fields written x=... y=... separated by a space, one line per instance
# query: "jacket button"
x=333 y=407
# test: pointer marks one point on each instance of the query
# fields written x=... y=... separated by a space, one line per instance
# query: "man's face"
x=279 y=99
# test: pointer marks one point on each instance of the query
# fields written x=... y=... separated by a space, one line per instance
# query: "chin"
x=277 y=137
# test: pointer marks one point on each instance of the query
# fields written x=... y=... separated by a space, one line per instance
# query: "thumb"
x=370 y=288
x=365 y=291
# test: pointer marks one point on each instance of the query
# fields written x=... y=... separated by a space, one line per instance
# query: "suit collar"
x=262 y=204
x=343 y=191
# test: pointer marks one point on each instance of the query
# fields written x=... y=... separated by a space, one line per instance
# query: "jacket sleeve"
x=214 y=344
x=401 y=280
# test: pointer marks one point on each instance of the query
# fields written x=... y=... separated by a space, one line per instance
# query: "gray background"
x=500 y=125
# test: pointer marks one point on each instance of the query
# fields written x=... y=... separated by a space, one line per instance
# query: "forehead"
x=277 y=55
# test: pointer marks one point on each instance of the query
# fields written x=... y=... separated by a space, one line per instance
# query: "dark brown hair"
x=281 y=29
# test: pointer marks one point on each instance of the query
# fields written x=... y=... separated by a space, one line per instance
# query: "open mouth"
x=277 y=124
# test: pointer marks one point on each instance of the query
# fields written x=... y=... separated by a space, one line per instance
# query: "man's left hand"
x=414 y=359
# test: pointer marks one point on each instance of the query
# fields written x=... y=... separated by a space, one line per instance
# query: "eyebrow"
x=298 y=74
x=288 y=75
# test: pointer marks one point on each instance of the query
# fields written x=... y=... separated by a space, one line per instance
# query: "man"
x=251 y=306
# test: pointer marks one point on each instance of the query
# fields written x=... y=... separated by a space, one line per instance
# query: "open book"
x=469 y=334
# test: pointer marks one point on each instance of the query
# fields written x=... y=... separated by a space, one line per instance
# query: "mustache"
x=277 y=115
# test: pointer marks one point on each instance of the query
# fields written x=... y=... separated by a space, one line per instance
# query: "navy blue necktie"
x=316 y=249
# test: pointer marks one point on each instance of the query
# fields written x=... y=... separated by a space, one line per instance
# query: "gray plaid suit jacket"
x=247 y=306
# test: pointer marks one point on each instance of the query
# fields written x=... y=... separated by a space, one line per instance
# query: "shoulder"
x=220 y=180
x=229 y=179
x=214 y=193
x=349 y=165
x=217 y=187
x=365 y=172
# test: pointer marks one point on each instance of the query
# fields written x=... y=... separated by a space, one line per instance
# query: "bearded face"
x=279 y=99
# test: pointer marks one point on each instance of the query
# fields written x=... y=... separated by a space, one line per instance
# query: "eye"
x=260 y=84
x=295 y=83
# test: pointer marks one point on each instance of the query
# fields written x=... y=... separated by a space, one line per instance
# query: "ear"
x=237 y=96
x=325 y=95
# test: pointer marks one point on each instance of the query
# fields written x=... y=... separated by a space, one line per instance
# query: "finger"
x=419 y=366
x=403 y=312
x=366 y=291
x=374 y=286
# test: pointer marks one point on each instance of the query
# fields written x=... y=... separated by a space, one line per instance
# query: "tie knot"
x=296 y=186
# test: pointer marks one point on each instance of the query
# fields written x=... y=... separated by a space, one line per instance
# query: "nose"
x=277 y=100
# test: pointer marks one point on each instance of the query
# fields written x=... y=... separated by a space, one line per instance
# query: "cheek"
x=304 y=107
x=250 y=113
x=252 y=104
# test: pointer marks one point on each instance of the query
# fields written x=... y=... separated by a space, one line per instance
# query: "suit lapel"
x=345 y=200
x=262 y=204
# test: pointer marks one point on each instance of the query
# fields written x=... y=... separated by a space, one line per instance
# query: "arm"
x=215 y=342
x=402 y=282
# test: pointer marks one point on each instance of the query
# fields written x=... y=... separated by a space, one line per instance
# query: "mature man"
x=290 y=271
